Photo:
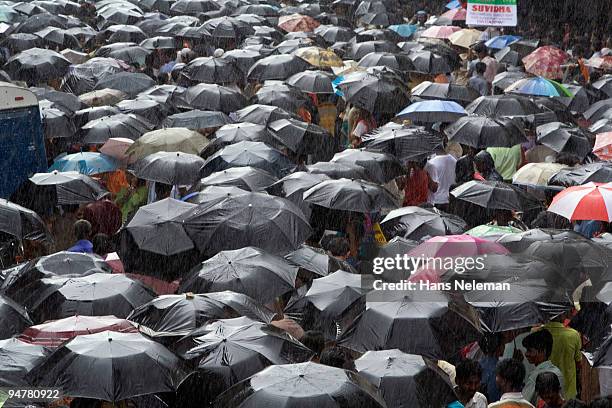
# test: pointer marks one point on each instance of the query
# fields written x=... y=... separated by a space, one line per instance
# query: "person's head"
x=480 y=68
x=82 y=229
x=538 y=346
x=481 y=50
x=509 y=375
x=313 y=339
x=548 y=388
x=102 y=244
x=421 y=16
x=467 y=377
x=336 y=357
x=339 y=247
x=162 y=190
x=484 y=162
x=492 y=344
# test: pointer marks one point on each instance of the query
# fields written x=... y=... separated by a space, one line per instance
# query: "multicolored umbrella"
x=591 y=201
x=297 y=22
x=538 y=86
x=546 y=61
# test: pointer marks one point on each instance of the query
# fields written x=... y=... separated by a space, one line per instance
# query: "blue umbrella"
x=501 y=41
x=538 y=86
x=405 y=30
x=85 y=163
x=453 y=4
x=432 y=111
x=337 y=81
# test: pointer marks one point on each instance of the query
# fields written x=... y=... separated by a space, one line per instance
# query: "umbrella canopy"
x=88 y=163
x=102 y=97
x=374 y=92
x=319 y=57
x=501 y=41
x=398 y=62
x=333 y=294
x=197 y=119
x=36 y=65
x=599 y=110
x=14 y=318
x=312 y=81
x=149 y=109
x=359 y=50
x=249 y=271
x=465 y=38
x=407 y=144
x=564 y=138
x=505 y=79
x=301 y=385
x=483 y=132
x=168 y=140
x=159 y=43
x=247 y=178
x=279 y=94
x=172 y=168
x=120 y=125
x=212 y=70
x=604 y=84
x=56 y=123
x=538 y=86
x=463 y=95
x=491 y=232
x=317 y=261
x=17 y=358
x=406 y=379
x=442 y=32
x=278 y=67
x=210 y=97
x=247 y=153
x=262 y=114
x=338 y=170
x=603 y=144
x=380 y=167
x=350 y=195
x=19 y=42
x=56 y=332
x=178 y=315
x=587 y=202
x=450 y=17
x=457 y=246
x=417 y=223
x=300 y=136
x=149 y=366
x=432 y=111
x=385 y=324
x=520 y=241
x=21 y=222
x=227 y=28
x=297 y=22
x=127 y=82
x=271 y=223
x=601 y=126
x=57 y=37
x=536 y=174
x=502 y=105
x=546 y=62
x=495 y=195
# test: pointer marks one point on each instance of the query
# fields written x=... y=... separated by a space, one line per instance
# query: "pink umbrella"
x=442 y=32
x=116 y=147
x=451 y=16
x=546 y=62
x=603 y=146
x=456 y=246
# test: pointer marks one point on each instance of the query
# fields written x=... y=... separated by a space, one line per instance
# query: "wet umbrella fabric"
x=88 y=163
x=407 y=144
x=262 y=114
x=380 y=167
x=599 y=172
x=502 y=105
x=312 y=81
x=278 y=67
x=168 y=140
x=374 y=93
x=178 y=315
x=210 y=97
x=350 y=195
x=333 y=294
x=36 y=65
x=299 y=386
x=172 y=168
x=564 y=138
x=123 y=125
x=130 y=83
x=247 y=178
x=21 y=222
x=17 y=358
x=271 y=223
x=416 y=223
x=495 y=195
x=317 y=261
x=299 y=136
x=14 y=318
x=197 y=119
x=248 y=270
x=457 y=93
x=139 y=366
x=338 y=170
x=483 y=132
x=432 y=111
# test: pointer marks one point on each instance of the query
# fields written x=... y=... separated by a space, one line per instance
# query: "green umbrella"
x=491 y=232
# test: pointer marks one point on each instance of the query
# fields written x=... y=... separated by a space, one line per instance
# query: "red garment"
x=104 y=216
x=478 y=176
x=417 y=188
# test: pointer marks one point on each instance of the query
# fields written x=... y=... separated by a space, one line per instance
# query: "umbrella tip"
x=189 y=295
x=110 y=339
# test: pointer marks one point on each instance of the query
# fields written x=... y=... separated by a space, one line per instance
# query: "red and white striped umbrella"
x=591 y=201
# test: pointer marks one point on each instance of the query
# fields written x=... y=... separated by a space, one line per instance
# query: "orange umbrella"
x=546 y=62
x=297 y=22
x=603 y=146
x=442 y=32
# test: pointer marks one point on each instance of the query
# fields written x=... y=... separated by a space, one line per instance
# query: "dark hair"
x=547 y=382
x=334 y=357
x=339 y=246
x=490 y=342
x=82 y=229
x=480 y=67
x=480 y=47
x=603 y=402
x=102 y=244
x=162 y=190
x=466 y=369
x=540 y=340
x=313 y=339
x=512 y=371
x=574 y=403
x=567 y=158
x=484 y=162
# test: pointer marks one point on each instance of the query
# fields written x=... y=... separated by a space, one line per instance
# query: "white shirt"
x=441 y=169
x=477 y=401
x=515 y=397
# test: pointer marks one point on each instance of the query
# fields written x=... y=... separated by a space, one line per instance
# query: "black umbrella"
x=238 y=132
x=508 y=56
x=317 y=261
x=259 y=9
x=98 y=294
x=271 y=223
x=427 y=62
x=380 y=167
x=131 y=55
x=228 y=28
x=231 y=350
x=451 y=92
x=290 y=46
x=14 y=319
x=416 y=223
x=124 y=33
x=197 y=119
x=56 y=124
x=66 y=102
x=162 y=93
x=128 y=365
x=599 y=110
x=300 y=137
x=600 y=172
x=443 y=325
x=293 y=186
x=249 y=271
x=398 y=62
x=502 y=105
x=333 y=34
x=406 y=379
x=302 y=385
x=212 y=70
x=149 y=109
x=255 y=154
x=374 y=92
x=28 y=9
x=495 y=195
x=601 y=126
x=193 y=7
x=212 y=194
x=98 y=131
x=319 y=82
x=520 y=241
x=282 y=95
x=57 y=37
x=276 y=67
x=564 y=138
x=338 y=170
x=361 y=49
x=482 y=132
x=581 y=98
x=262 y=114
x=505 y=79
x=172 y=168
x=529 y=303
x=407 y=144
x=17 y=358
x=111 y=14
x=21 y=222
x=247 y=178
x=36 y=65
x=350 y=195
x=128 y=82
x=19 y=42
x=177 y=315
x=604 y=84
x=244 y=59
x=39 y=21
x=211 y=97
x=105 y=50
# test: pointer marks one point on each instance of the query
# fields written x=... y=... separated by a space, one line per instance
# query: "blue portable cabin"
x=22 y=140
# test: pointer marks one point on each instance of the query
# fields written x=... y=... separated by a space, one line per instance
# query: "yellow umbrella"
x=465 y=38
x=536 y=174
x=319 y=57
